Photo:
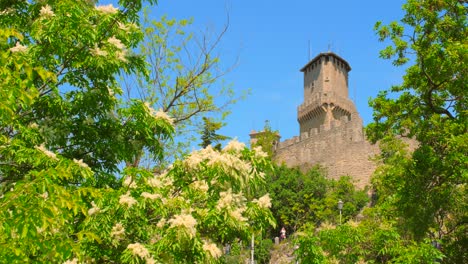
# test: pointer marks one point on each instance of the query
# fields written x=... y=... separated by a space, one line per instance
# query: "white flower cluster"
x=46 y=12
x=139 y=250
x=228 y=199
x=264 y=201
x=160 y=181
x=227 y=161
x=122 y=52
x=127 y=27
x=71 y=261
x=48 y=153
x=98 y=52
x=234 y=146
x=259 y=153
x=18 y=48
x=184 y=220
x=81 y=163
x=161 y=223
x=129 y=182
x=160 y=114
x=118 y=231
x=34 y=125
x=127 y=199
x=7 y=11
x=151 y=196
x=200 y=185
x=94 y=209
x=107 y=9
x=212 y=249
x=116 y=42
x=237 y=214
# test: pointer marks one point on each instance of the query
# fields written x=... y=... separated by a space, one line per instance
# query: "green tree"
x=266 y=139
x=64 y=134
x=209 y=136
x=300 y=198
x=428 y=187
x=370 y=241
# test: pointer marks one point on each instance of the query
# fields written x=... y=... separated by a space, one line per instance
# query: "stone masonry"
x=331 y=130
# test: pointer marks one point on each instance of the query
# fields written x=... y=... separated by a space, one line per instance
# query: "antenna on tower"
x=309 y=49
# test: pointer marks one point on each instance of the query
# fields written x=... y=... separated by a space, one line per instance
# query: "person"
x=283 y=233
x=228 y=249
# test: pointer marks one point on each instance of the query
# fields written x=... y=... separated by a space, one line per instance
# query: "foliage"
x=310 y=197
x=369 y=241
x=65 y=134
x=183 y=77
x=426 y=189
x=262 y=251
x=266 y=139
x=209 y=135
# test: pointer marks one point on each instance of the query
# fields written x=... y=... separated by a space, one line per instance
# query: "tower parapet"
x=325 y=92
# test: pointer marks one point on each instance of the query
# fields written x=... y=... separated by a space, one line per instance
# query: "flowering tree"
x=64 y=131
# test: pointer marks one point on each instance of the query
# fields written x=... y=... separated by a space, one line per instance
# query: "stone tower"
x=325 y=93
x=331 y=130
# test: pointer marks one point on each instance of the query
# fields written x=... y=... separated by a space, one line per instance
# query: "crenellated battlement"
x=346 y=129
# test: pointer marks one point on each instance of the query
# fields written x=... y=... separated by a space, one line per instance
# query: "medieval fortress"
x=331 y=130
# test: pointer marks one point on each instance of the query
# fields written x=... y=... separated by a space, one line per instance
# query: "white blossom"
x=228 y=199
x=34 y=125
x=160 y=114
x=184 y=220
x=118 y=231
x=46 y=11
x=110 y=91
x=18 y=48
x=44 y=195
x=237 y=214
x=127 y=199
x=48 y=153
x=39 y=229
x=129 y=182
x=150 y=196
x=160 y=181
x=81 y=163
x=212 y=249
x=123 y=27
x=161 y=223
x=150 y=260
x=7 y=11
x=138 y=250
x=264 y=201
x=94 y=209
x=200 y=185
x=155 y=182
x=98 y=52
x=107 y=9
x=163 y=115
x=116 y=42
x=259 y=153
x=72 y=261
x=228 y=162
x=121 y=56
x=234 y=145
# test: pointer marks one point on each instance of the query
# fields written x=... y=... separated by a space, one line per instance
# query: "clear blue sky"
x=271 y=39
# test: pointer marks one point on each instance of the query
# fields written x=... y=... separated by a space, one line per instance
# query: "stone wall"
x=341 y=148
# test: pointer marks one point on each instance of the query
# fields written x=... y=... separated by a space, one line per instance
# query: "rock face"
x=331 y=130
